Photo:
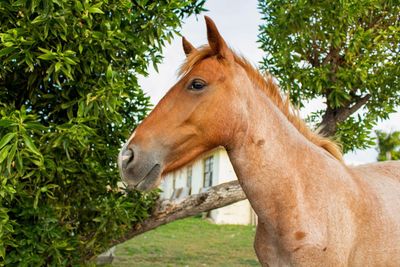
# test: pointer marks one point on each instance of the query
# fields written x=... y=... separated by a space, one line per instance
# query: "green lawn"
x=190 y=242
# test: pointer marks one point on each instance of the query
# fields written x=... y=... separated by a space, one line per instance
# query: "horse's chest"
x=306 y=255
x=289 y=248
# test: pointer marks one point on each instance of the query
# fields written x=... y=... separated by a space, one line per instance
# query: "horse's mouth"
x=150 y=180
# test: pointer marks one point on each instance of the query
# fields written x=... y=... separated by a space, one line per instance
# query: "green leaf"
x=36 y=201
x=58 y=66
x=6 y=139
x=8 y=44
x=109 y=73
x=95 y=10
x=2 y=251
x=97 y=219
x=39 y=19
x=35 y=126
x=18 y=3
x=19 y=163
x=69 y=61
x=30 y=145
x=11 y=155
x=44 y=50
x=6 y=51
x=78 y=6
x=4 y=153
x=48 y=56
x=7 y=123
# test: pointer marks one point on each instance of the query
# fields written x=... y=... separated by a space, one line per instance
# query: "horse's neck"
x=276 y=164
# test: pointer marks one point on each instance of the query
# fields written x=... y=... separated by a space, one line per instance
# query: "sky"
x=237 y=21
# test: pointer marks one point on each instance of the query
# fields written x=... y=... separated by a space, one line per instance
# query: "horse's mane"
x=267 y=84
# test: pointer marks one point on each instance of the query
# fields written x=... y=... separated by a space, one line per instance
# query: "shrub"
x=68 y=98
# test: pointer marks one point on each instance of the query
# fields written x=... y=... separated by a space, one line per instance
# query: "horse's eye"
x=197 y=85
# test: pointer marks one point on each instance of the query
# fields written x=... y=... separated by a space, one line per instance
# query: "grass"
x=190 y=242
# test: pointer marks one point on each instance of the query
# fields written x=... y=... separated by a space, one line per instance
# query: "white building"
x=211 y=169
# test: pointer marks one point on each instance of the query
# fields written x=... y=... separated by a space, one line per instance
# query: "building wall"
x=174 y=186
x=180 y=176
x=237 y=213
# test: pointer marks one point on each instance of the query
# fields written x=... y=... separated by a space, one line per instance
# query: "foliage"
x=68 y=98
x=346 y=52
x=388 y=145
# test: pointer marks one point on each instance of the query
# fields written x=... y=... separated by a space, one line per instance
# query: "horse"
x=313 y=209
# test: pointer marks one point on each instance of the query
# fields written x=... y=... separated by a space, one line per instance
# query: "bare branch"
x=168 y=211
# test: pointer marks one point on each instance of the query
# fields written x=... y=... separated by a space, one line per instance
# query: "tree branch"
x=167 y=211
x=313 y=55
x=332 y=117
x=332 y=53
x=350 y=110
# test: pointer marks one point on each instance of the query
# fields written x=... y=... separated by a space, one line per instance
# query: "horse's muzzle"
x=138 y=169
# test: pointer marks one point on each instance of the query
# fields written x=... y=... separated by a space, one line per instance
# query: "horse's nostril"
x=126 y=157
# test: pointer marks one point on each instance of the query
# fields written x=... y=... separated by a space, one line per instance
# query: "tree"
x=388 y=145
x=345 y=52
x=68 y=99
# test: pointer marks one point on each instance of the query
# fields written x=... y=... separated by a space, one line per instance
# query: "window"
x=189 y=175
x=208 y=171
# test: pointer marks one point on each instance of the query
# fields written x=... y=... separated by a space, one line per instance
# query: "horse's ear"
x=187 y=47
x=215 y=40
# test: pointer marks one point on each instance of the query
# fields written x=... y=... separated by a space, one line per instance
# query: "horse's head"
x=200 y=112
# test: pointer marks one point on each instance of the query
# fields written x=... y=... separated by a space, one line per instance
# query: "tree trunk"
x=167 y=211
